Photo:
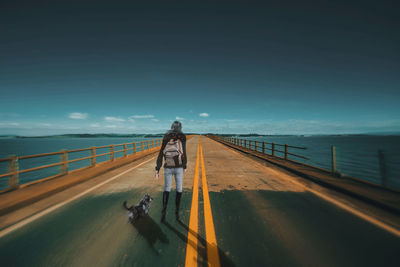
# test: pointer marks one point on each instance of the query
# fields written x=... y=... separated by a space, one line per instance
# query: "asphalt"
x=261 y=218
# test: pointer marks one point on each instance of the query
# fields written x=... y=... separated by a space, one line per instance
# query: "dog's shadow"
x=151 y=231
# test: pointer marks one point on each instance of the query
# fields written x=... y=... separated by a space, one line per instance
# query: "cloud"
x=141 y=117
x=179 y=118
x=45 y=124
x=155 y=120
x=9 y=124
x=111 y=126
x=113 y=119
x=78 y=116
x=95 y=125
x=204 y=115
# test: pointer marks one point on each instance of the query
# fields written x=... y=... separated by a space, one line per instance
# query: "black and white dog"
x=141 y=209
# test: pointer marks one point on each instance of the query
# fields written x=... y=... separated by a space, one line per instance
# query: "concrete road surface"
x=259 y=216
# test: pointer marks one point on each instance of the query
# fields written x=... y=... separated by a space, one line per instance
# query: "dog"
x=140 y=210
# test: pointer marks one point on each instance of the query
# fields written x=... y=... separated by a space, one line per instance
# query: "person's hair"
x=176 y=126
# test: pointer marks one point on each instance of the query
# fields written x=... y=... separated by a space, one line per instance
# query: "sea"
x=32 y=146
x=371 y=158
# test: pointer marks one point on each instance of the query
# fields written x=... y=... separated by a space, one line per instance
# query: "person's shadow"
x=224 y=260
x=151 y=231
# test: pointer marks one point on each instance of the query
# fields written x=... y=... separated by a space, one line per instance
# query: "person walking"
x=173 y=150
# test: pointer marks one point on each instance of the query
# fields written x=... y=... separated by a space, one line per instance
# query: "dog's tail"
x=125 y=206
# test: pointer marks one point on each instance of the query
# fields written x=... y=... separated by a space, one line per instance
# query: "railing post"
x=273 y=149
x=14 y=169
x=148 y=145
x=250 y=144
x=125 y=152
x=382 y=167
x=255 y=145
x=241 y=142
x=64 y=158
x=286 y=151
x=134 y=147
x=263 y=147
x=141 y=147
x=333 y=152
x=245 y=143
x=112 y=152
x=152 y=146
x=93 y=156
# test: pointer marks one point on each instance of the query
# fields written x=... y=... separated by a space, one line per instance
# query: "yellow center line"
x=191 y=248
x=212 y=247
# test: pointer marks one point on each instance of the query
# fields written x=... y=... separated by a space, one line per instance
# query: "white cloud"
x=141 y=117
x=204 y=115
x=9 y=124
x=113 y=119
x=179 y=118
x=78 y=116
x=156 y=120
x=95 y=125
x=111 y=126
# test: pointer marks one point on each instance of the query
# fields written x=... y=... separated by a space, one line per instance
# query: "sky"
x=267 y=67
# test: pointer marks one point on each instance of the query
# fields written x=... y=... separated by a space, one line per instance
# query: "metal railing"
x=264 y=147
x=13 y=161
x=384 y=174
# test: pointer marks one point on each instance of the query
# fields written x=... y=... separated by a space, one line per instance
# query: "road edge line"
x=36 y=216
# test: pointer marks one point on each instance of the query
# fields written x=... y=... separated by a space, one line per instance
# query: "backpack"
x=173 y=153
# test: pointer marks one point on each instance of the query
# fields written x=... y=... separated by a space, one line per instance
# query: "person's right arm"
x=184 y=162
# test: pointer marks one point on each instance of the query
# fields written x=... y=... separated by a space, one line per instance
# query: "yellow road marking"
x=212 y=247
x=191 y=248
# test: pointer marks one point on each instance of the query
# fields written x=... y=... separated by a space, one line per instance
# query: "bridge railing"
x=14 y=161
x=379 y=169
x=265 y=147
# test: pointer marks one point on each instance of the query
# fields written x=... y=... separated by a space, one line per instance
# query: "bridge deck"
x=261 y=216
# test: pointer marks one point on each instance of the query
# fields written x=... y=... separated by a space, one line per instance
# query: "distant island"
x=92 y=136
x=102 y=135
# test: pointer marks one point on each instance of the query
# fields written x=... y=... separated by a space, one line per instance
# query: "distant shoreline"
x=162 y=134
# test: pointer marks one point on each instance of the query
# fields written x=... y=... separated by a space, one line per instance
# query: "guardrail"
x=14 y=171
x=382 y=172
x=263 y=147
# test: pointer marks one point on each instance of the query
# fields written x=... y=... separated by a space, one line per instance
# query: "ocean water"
x=32 y=146
x=356 y=155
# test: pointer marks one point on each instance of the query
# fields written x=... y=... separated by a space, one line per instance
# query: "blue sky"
x=234 y=67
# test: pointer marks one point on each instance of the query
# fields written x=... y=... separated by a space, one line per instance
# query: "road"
x=257 y=215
